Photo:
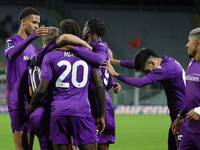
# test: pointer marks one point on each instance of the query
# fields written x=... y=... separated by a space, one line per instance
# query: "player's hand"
x=32 y=107
x=88 y=46
x=176 y=126
x=100 y=125
x=116 y=88
x=41 y=31
x=110 y=69
x=192 y=116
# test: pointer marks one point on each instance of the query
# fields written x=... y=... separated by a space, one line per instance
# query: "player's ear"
x=23 y=22
x=197 y=43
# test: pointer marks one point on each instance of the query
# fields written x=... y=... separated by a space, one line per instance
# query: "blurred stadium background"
x=130 y=25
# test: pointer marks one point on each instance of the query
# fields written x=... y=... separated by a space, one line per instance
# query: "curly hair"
x=69 y=26
x=97 y=26
x=27 y=12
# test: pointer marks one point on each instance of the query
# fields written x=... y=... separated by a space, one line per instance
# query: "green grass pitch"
x=138 y=132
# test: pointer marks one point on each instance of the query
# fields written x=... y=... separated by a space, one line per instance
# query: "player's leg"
x=31 y=140
x=21 y=140
x=90 y=146
x=20 y=128
x=84 y=132
x=103 y=146
x=60 y=146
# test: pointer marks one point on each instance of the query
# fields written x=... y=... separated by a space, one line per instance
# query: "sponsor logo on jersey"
x=25 y=58
x=193 y=77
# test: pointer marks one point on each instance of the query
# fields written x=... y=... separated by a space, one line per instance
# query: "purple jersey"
x=172 y=76
x=70 y=76
x=101 y=47
x=192 y=92
x=34 y=71
x=16 y=73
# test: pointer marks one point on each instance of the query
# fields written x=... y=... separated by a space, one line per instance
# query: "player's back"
x=70 y=76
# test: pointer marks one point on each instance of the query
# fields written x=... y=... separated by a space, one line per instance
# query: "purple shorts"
x=82 y=129
x=40 y=127
x=108 y=135
x=19 y=120
x=190 y=141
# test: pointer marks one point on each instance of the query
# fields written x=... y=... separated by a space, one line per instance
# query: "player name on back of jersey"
x=68 y=54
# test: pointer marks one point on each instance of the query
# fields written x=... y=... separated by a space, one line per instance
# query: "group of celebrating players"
x=60 y=93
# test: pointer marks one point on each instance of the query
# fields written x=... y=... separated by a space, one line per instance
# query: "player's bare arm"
x=71 y=39
x=110 y=69
x=101 y=99
x=38 y=94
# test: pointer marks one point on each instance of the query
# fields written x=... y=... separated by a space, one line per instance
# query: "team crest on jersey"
x=9 y=43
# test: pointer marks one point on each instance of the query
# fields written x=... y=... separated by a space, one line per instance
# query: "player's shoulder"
x=99 y=43
x=13 y=39
x=10 y=42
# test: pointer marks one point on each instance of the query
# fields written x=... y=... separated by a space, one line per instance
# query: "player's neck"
x=93 y=39
x=22 y=33
x=197 y=56
x=158 y=62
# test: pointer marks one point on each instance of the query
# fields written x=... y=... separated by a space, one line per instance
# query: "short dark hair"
x=97 y=26
x=69 y=26
x=141 y=58
x=27 y=12
x=51 y=35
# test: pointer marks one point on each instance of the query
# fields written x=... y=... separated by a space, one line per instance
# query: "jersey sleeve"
x=127 y=64
x=46 y=71
x=161 y=73
x=138 y=82
x=93 y=58
x=13 y=51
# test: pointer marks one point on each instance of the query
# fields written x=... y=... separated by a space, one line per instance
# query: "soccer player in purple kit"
x=70 y=112
x=18 y=52
x=165 y=70
x=191 y=137
x=93 y=31
x=40 y=118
